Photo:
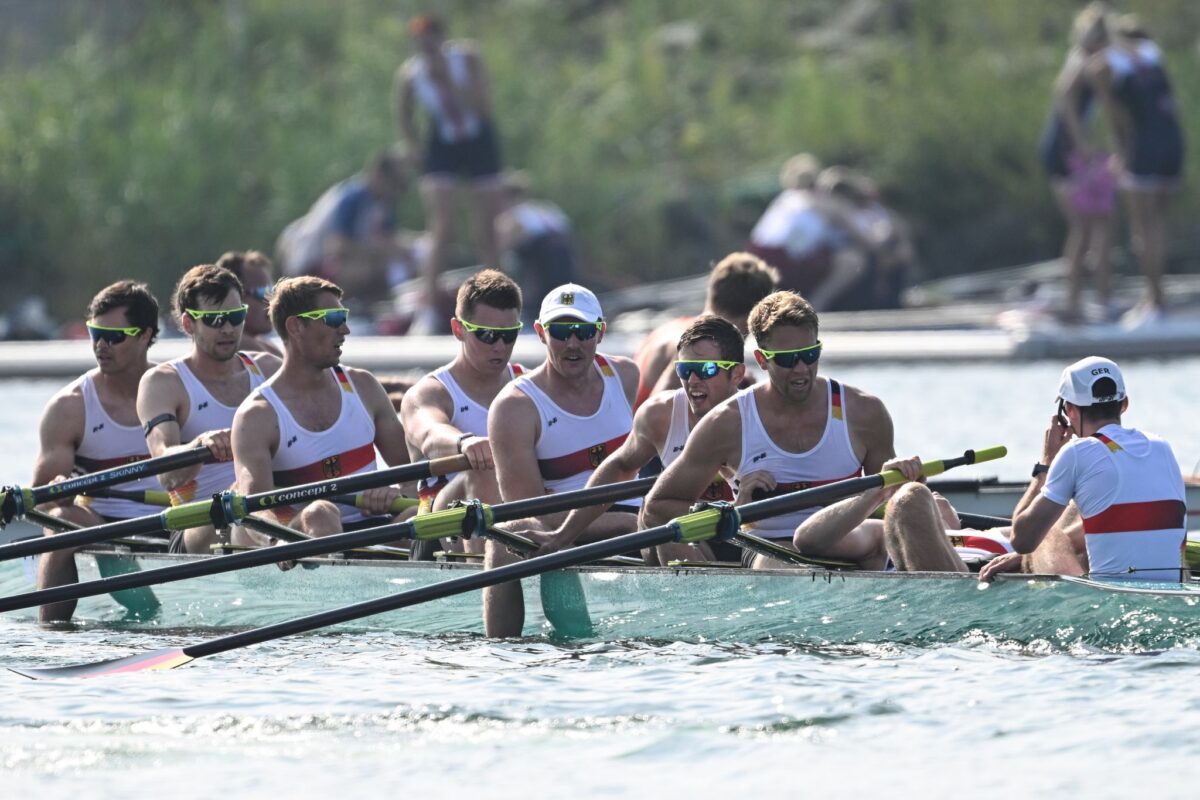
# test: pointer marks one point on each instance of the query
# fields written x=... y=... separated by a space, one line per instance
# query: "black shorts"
x=474 y=158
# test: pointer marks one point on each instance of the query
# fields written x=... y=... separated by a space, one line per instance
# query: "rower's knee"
x=319 y=518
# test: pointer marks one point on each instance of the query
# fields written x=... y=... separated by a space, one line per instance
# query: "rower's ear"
x=758 y=357
x=540 y=331
x=187 y=324
x=293 y=325
x=456 y=328
x=737 y=374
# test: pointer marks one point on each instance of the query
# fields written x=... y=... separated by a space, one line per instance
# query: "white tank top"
x=831 y=459
x=1131 y=496
x=206 y=413
x=677 y=435
x=347 y=447
x=447 y=110
x=105 y=445
x=570 y=447
x=469 y=417
x=792 y=223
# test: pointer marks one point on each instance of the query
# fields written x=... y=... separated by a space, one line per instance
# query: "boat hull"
x=688 y=604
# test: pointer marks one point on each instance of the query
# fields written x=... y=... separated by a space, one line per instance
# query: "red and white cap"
x=1078 y=380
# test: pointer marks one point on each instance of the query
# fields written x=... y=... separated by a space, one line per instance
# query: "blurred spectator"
x=535 y=240
x=350 y=235
x=449 y=81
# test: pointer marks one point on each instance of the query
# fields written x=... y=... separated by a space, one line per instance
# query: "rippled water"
x=365 y=713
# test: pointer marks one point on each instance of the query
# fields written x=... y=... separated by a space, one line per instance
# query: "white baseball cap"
x=1077 y=381
x=570 y=300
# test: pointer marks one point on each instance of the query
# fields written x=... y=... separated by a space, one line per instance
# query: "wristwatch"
x=1039 y=469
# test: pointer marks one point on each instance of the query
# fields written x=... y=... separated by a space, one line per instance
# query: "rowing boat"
x=688 y=603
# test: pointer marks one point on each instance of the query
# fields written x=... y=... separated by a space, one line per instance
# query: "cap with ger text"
x=570 y=300
x=1078 y=380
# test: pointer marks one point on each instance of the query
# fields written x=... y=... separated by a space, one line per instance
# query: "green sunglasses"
x=488 y=334
x=333 y=317
x=702 y=369
x=790 y=358
x=110 y=335
x=217 y=317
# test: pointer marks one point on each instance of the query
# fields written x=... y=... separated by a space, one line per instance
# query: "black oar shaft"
x=308 y=548
x=121 y=474
x=84 y=536
x=552 y=503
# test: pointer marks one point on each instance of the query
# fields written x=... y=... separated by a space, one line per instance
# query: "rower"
x=192 y=399
x=709 y=365
x=551 y=428
x=1126 y=484
x=736 y=284
x=92 y=425
x=315 y=419
x=793 y=431
x=446 y=411
x=257 y=274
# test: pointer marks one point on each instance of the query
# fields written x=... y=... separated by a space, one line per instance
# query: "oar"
x=449 y=522
x=15 y=501
x=161 y=497
x=231 y=507
x=694 y=527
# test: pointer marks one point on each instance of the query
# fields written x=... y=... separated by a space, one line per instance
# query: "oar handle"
x=399 y=504
x=149 y=497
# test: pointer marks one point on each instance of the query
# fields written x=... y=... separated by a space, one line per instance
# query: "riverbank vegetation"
x=141 y=148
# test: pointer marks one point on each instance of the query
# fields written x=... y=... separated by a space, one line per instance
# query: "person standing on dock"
x=1080 y=175
x=709 y=364
x=448 y=79
x=552 y=427
x=1126 y=485
x=190 y=402
x=92 y=425
x=1131 y=81
x=793 y=431
x=257 y=274
x=315 y=419
x=736 y=284
x=446 y=412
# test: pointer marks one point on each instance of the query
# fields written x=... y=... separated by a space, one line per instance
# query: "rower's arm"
x=255 y=436
x=1032 y=524
x=871 y=429
x=650 y=425
x=829 y=526
x=425 y=413
x=59 y=432
x=161 y=392
x=513 y=431
x=630 y=376
x=389 y=433
x=659 y=375
x=715 y=441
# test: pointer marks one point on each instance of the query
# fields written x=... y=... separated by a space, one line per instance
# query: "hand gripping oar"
x=229 y=507
x=719 y=520
x=464 y=520
x=15 y=501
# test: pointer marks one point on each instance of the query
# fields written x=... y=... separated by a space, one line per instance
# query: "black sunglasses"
x=790 y=358
x=333 y=317
x=217 y=318
x=583 y=331
x=489 y=335
x=110 y=334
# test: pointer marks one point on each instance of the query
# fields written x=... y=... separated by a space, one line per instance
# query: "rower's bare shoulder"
x=511 y=402
x=428 y=391
x=66 y=408
x=268 y=363
x=160 y=378
x=654 y=415
x=722 y=424
x=863 y=405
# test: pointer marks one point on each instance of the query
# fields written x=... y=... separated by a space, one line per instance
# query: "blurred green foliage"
x=658 y=125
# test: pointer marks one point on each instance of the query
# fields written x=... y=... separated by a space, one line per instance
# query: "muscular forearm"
x=829 y=525
x=661 y=509
x=578 y=520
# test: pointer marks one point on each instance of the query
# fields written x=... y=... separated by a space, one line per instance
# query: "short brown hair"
x=204 y=281
x=781 y=308
x=426 y=23
x=141 y=306
x=237 y=261
x=738 y=282
x=295 y=296
x=720 y=331
x=488 y=287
